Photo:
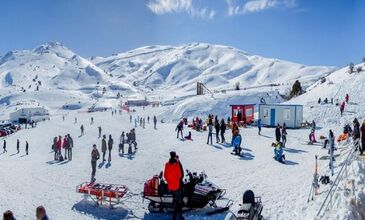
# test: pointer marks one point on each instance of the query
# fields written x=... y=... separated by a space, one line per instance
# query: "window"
x=286 y=114
x=266 y=113
x=249 y=112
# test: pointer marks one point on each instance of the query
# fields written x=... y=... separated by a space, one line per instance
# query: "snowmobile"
x=250 y=209
x=197 y=191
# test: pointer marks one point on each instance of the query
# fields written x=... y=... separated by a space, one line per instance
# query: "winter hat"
x=94 y=145
x=172 y=154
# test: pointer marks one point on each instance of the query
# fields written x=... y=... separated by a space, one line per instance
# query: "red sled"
x=114 y=194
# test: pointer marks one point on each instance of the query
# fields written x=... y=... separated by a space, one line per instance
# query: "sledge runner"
x=223 y=130
x=277 y=133
x=94 y=158
x=17 y=146
x=4 y=147
x=217 y=129
x=110 y=147
x=103 y=146
x=259 y=125
x=210 y=132
x=283 y=133
x=121 y=143
x=278 y=152
x=173 y=177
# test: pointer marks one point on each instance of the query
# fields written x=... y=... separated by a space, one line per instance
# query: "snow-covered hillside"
x=178 y=68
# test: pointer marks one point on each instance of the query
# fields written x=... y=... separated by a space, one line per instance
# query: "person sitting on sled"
x=189 y=136
x=236 y=143
x=278 y=152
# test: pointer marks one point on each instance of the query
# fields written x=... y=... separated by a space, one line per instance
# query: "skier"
x=237 y=143
x=356 y=134
x=70 y=146
x=331 y=141
x=103 y=147
x=223 y=130
x=362 y=129
x=94 y=158
x=173 y=176
x=17 y=145
x=278 y=133
x=154 y=122
x=4 y=147
x=65 y=146
x=41 y=213
x=278 y=152
x=26 y=147
x=121 y=143
x=283 y=133
x=179 y=129
x=259 y=125
x=342 y=108
x=110 y=147
x=82 y=130
x=99 y=129
x=347 y=97
x=210 y=132
x=217 y=129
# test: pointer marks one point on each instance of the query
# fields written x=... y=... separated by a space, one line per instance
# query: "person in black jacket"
x=278 y=133
x=362 y=129
x=223 y=130
x=217 y=129
x=356 y=134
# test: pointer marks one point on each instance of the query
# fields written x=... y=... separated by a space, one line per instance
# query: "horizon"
x=289 y=30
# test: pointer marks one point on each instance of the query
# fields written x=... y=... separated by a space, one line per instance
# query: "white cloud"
x=238 y=7
x=178 y=6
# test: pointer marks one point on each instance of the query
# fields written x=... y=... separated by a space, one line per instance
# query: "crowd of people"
x=65 y=143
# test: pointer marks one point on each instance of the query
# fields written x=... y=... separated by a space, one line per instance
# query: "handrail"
x=328 y=200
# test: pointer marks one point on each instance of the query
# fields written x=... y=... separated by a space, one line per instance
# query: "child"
x=278 y=152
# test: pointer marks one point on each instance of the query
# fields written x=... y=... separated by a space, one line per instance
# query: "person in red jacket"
x=59 y=147
x=173 y=176
x=65 y=146
x=347 y=97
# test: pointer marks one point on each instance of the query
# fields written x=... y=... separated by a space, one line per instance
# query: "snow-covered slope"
x=178 y=68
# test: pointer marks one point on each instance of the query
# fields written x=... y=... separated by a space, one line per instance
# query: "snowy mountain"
x=178 y=68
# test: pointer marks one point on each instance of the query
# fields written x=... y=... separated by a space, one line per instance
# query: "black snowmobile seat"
x=248 y=197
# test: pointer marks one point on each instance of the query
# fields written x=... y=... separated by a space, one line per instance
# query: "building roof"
x=282 y=104
x=242 y=104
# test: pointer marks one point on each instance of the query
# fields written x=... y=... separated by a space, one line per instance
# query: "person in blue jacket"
x=259 y=125
x=236 y=143
x=278 y=152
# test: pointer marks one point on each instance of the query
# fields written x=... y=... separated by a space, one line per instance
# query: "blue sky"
x=318 y=32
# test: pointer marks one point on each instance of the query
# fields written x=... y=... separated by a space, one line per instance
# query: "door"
x=272 y=117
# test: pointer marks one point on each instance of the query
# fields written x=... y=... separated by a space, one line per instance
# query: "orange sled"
x=114 y=194
x=342 y=137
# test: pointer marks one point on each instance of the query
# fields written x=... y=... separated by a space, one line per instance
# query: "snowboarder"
x=217 y=129
x=82 y=130
x=210 y=132
x=70 y=146
x=347 y=97
x=110 y=147
x=283 y=133
x=121 y=143
x=259 y=125
x=277 y=133
x=223 y=130
x=94 y=158
x=103 y=147
x=26 y=147
x=278 y=152
x=179 y=129
x=362 y=129
x=331 y=141
x=99 y=129
x=173 y=176
x=17 y=146
x=154 y=122
x=356 y=134
x=4 y=147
